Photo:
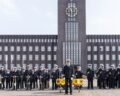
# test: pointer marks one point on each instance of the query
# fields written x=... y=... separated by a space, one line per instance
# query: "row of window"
x=103 y=40
x=101 y=48
x=101 y=57
x=28 y=40
x=30 y=57
x=30 y=48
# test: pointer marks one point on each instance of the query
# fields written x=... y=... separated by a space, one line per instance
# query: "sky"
x=37 y=17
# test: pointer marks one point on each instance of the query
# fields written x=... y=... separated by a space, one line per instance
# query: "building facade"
x=32 y=50
x=72 y=32
x=71 y=43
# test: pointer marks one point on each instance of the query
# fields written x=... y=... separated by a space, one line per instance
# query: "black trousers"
x=101 y=83
x=68 y=84
x=54 y=85
x=90 y=83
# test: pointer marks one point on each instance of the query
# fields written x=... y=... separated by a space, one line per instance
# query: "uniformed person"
x=40 y=78
x=23 y=79
x=46 y=77
x=90 y=76
x=7 y=78
x=111 y=76
x=54 y=76
x=79 y=74
x=68 y=73
x=118 y=77
x=101 y=77
x=3 y=77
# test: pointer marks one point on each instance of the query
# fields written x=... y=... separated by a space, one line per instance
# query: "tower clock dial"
x=71 y=11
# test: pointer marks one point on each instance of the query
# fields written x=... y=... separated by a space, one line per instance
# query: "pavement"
x=83 y=92
x=112 y=92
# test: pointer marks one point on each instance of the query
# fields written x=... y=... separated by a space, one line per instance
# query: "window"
x=55 y=48
x=42 y=48
x=0 y=57
x=43 y=65
x=18 y=65
x=113 y=48
x=107 y=57
x=0 y=48
x=118 y=57
x=6 y=48
x=18 y=57
x=30 y=57
x=18 y=48
x=95 y=66
x=89 y=48
x=113 y=57
x=24 y=48
x=101 y=57
x=49 y=57
x=118 y=48
x=49 y=66
x=89 y=57
x=42 y=57
x=36 y=57
x=12 y=48
x=95 y=48
x=24 y=57
x=107 y=48
x=95 y=57
x=101 y=48
x=55 y=57
x=36 y=48
x=107 y=66
x=30 y=48
x=49 y=48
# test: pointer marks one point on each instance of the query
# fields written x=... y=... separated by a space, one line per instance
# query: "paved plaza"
x=83 y=92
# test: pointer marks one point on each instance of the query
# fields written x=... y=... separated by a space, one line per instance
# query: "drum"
x=60 y=81
x=77 y=82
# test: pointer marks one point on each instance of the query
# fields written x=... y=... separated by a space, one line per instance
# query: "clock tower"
x=72 y=33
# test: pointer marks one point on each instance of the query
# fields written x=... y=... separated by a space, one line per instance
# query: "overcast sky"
x=40 y=17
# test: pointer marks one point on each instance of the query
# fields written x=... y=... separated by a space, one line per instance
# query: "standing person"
x=101 y=77
x=79 y=74
x=68 y=72
x=53 y=77
x=3 y=77
x=7 y=77
x=46 y=77
x=118 y=76
x=90 y=76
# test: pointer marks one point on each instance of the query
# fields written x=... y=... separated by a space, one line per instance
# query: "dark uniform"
x=68 y=72
x=118 y=78
x=7 y=78
x=46 y=77
x=28 y=74
x=101 y=78
x=90 y=77
x=54 y=75
x=111 y=78
x=41 y=79
x=79 y=75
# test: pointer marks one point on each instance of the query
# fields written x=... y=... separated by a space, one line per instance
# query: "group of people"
x=29 y=79
x=109 y=78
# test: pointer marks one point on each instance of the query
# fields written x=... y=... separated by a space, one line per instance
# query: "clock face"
x=71 y=11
